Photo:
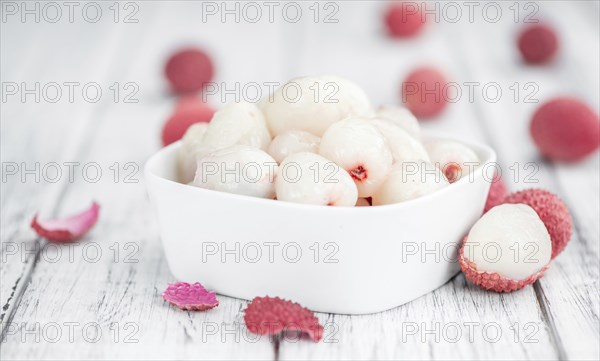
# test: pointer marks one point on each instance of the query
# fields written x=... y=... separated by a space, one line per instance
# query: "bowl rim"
x=481 y=149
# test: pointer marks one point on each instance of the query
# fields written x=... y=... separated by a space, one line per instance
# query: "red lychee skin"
x=493 y=281
x=403 y=19
x=565 y=129
x=551 y=210
x=538 y=44
x=272 y=315
x=188 y=70
x=187 y=112
x=498 y=191
x=424 y=92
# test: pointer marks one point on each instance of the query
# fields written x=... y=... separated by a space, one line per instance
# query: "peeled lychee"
x=497 y=193
x=551 y=210
x=191 y=144
x=311 y=179
x=239 y=169
x=508 y=248
x=358 y=146
x=404 y=146
x=312 y=104
x=424 y=92
x=455 y=159
x=409 y=180
x=402 y=117
x=565 y=129
x=188 y=111
x=189 y=70
x=538 y=43
x=237 y=123
x=293 y=141
x=403 y=19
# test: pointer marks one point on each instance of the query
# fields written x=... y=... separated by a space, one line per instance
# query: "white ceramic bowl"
x=329 y=259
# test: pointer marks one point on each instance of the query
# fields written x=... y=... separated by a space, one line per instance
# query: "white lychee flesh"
x=237 y=124
x=510 y=240
x=186 y=155
x=409 y=180
x=291 y=142
x=239 y=169
x=357 y=146
x=455 y=159
x=402 y=117
x=312 y=104
x=404 y=147
x=311 y=179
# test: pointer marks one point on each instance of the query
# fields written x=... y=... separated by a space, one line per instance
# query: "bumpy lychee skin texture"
x=272 y=315
x=403 y=19
x=538 y=44
x=424 y=92
x=551 y=210
x=496 y=195
x=493 y=281
x=189 y=70
x=565 y=129
x=508 y=248
x=187 y=112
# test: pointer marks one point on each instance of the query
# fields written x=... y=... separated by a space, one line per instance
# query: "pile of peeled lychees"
x=333 y=149
x=307 y=145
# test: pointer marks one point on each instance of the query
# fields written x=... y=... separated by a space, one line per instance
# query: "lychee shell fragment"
x=190 y=297
x=273 y=315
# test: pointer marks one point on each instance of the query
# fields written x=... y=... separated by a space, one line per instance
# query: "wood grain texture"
x=100 y=298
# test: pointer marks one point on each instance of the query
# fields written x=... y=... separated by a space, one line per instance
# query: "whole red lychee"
x=538 y=43
x=565 y=129
x=189 y=70
x=424 y=92
x=403 y=19
x=188 y=111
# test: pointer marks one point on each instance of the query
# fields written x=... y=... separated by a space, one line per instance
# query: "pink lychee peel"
x=491 y=280
x=498 y=191
x=273 y=315
x=67 y=229
x=190 y=297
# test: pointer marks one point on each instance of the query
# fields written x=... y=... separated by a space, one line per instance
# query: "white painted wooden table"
x=100 y=298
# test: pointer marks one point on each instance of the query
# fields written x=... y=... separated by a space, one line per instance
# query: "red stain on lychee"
x=538 y=44
x=551 y=210
x=359 y=173
x=452 y=171
x=565 y=129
